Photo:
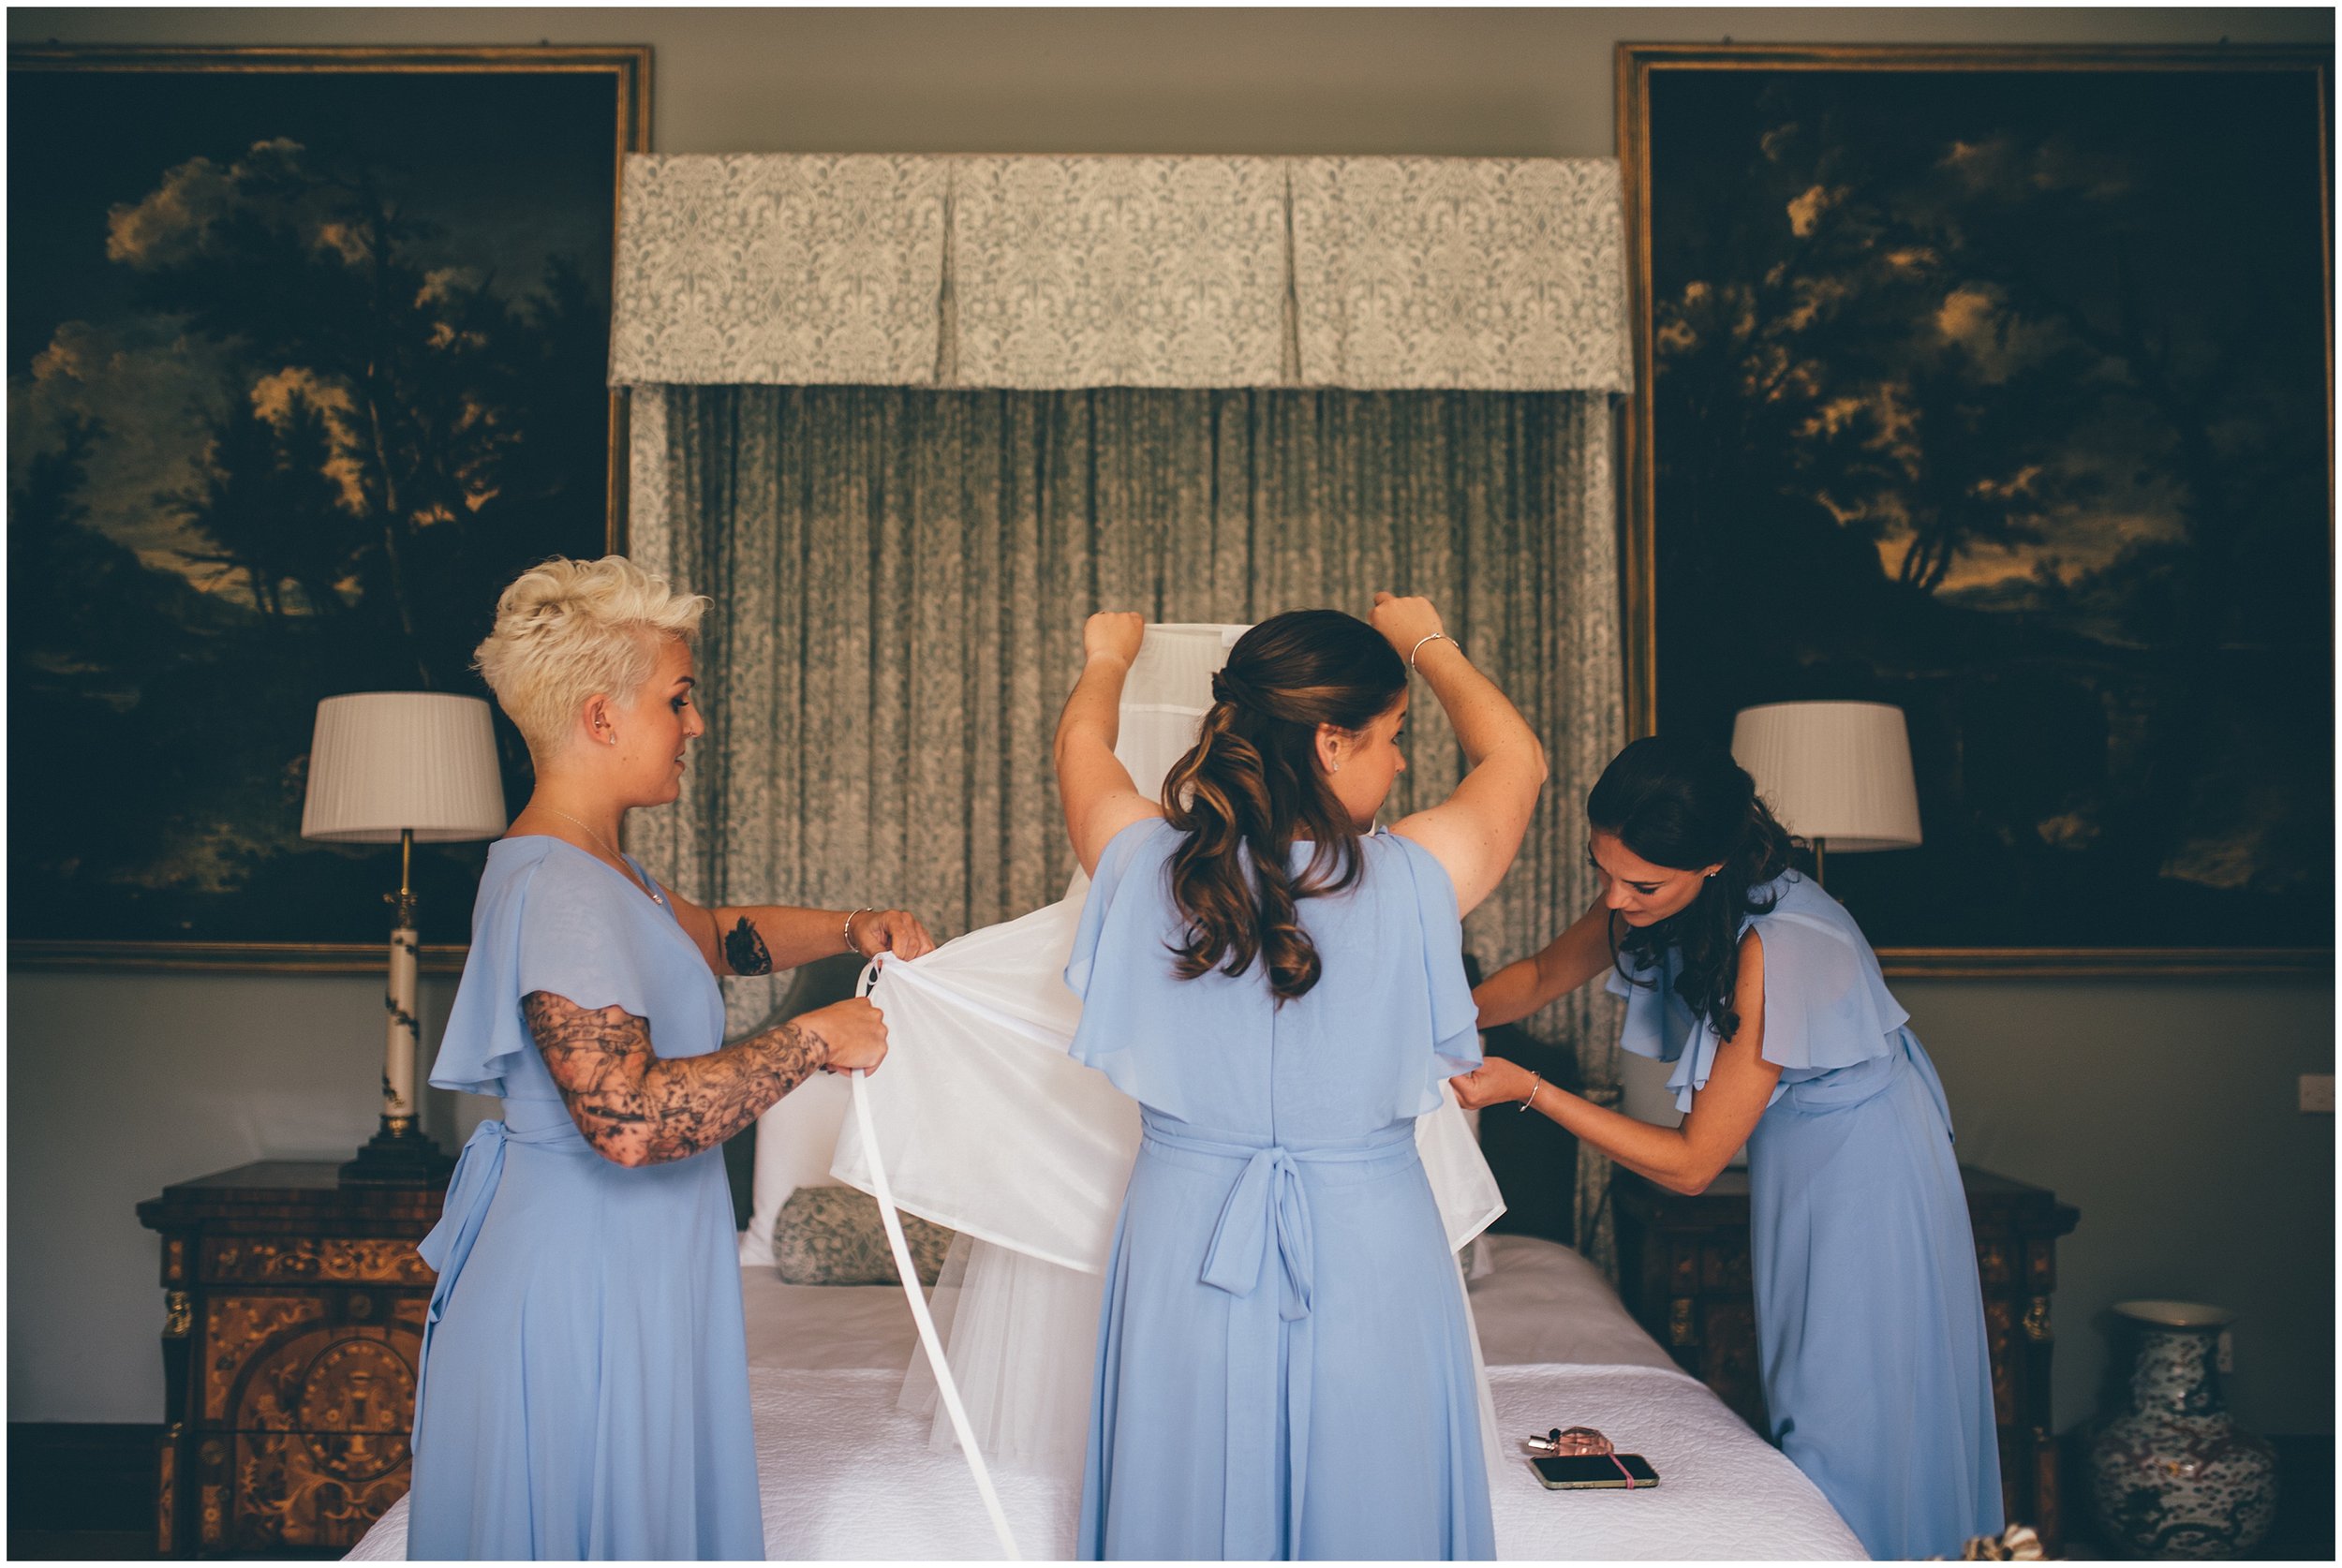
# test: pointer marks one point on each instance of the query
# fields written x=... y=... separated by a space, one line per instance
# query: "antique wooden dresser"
x=293 y=1311
x=1684 y=1270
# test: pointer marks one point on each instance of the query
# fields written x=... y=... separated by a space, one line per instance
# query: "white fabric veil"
x=985 y=1125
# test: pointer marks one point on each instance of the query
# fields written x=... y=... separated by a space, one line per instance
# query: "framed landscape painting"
x=307 y=359
x=1996 y=384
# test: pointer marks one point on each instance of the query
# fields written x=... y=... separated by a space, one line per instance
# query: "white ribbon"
x=929 y=1339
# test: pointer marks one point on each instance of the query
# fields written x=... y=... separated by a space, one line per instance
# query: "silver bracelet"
x=1536 y=1082
x=850 y=920
x=1435 y=637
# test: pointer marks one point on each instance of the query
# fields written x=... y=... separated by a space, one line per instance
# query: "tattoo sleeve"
x=637 y=1109
x=745 y=949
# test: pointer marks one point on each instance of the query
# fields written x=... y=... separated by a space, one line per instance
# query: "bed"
x=849 y=1475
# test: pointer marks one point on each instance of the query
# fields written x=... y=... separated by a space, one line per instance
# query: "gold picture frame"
x=626 y=69
x=1639 y=67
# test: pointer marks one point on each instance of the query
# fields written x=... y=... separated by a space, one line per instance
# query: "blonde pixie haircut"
x=566 y=630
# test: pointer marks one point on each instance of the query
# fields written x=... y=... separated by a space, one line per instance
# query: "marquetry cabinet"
x=1684 y=1270
x=292 y=1319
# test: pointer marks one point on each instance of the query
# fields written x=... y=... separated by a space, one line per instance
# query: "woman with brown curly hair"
x=1284 y=1365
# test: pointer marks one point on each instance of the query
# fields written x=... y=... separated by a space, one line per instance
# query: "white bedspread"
x=1723 y=1492
x=847 y=1475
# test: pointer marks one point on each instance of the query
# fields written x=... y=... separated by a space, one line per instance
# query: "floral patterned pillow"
x=832 y=1235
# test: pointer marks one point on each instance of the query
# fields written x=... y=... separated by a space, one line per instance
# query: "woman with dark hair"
x=1285 y=1358
x=1761 y=990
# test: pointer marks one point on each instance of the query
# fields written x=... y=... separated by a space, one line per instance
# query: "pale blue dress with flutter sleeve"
x=584 y=1389
x=1870 y=1319
x=1284 y=1362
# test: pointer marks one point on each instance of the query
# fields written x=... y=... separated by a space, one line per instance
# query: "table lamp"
x=1838 y=775
x=394 y=767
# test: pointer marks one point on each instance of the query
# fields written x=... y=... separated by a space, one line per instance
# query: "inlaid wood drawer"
x=292 y=1326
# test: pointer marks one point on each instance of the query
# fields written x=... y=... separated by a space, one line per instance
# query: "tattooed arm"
x=637 y=1108
x=760 y=939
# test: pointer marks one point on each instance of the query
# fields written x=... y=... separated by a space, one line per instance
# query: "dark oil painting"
x=2002 y=397
x=303 y=366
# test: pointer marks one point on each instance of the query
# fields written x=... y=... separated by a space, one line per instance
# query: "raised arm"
x=637 y=1109
x=1565 y=963
x=760 y=937
x=1093 y=784
x=1723 y=1112
x=1474 y=832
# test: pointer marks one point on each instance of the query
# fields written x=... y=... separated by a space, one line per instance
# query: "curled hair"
x=567 y=629
x=1251 y=787
x=1685 y=804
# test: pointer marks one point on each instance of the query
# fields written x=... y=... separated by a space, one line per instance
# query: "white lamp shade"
x=384 y=760
x=1840 y=772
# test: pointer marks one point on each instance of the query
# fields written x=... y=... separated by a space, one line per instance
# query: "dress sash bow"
x=1268 y=1205
x=1269 y=1193
x=470 y=1190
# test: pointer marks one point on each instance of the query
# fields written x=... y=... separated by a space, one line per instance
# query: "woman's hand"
x=1683 y=1159
x=1404 y=622
x=894 y=931
x=1115 y=633
x=851 y=1033
x=1495 y=1081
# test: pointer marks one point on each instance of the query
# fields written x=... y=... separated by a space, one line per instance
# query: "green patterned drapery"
x=901 y=575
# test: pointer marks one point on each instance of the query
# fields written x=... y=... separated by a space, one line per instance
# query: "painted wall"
x=1461 y=83
x=120 y=1085
x=2162 y=1110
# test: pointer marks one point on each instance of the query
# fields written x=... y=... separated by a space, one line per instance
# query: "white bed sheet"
x=1540 y=1303
x=848 y=1475
x=825 y=1327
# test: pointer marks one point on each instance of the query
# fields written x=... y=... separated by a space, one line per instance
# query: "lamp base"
x=398 y=1156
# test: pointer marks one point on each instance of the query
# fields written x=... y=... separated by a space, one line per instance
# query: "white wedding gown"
x=986 y=1126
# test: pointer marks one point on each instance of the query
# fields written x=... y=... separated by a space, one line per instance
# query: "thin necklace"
x=613 y=855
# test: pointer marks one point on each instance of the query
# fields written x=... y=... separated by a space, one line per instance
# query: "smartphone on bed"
x=1571 y=1473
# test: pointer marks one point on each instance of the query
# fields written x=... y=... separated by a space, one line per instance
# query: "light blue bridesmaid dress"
x=583 y=1391
x=1283 y=1363
x=1870 y=1319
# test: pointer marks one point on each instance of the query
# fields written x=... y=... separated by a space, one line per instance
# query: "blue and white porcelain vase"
x=2173 y=1475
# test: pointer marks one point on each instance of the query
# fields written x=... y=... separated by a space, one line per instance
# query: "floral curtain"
x=1128 y=271
x=751 y=269
x=900 y=577
x=1057 y=273
x=1481 y=273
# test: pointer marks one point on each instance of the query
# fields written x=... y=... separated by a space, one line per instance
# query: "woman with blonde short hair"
x=583 y=1391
